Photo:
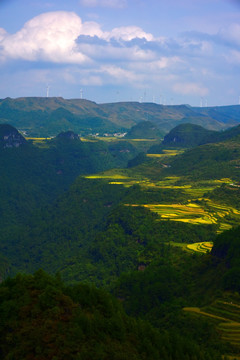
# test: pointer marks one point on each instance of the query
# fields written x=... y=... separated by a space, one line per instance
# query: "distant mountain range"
x=38 y=116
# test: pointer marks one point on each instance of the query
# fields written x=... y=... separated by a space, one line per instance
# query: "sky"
x=164 y=51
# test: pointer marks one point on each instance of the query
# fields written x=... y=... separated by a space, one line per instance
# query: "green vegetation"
x=226 y=315
x=44 y=117
x=144 y=130
x=189 y=135
x=140 y=226
x=42 y=318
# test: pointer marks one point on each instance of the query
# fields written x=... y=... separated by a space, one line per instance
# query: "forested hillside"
x=159 y=231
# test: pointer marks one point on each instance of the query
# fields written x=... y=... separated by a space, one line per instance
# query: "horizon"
x=114 y=102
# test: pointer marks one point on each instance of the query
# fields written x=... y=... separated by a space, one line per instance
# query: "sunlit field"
x=166 y=153
x=40 y=142
x=196 y=208
x=202 y=247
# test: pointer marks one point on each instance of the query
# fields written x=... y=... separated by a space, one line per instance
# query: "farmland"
x=225 y=314
x=195 y=206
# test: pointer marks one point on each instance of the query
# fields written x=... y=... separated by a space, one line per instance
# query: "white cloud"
x=3 y=34
x=89 y=55
x=128 y=33
x=190 y=89
x=53 y=37
x=118 y=4
x=49 y=37
x=92 y=28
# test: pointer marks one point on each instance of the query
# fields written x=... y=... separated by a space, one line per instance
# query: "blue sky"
x=169 y=52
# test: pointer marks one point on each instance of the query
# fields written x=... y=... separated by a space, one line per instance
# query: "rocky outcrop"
x=10 y=137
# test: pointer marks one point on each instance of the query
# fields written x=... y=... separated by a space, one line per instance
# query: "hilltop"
x=144 y=130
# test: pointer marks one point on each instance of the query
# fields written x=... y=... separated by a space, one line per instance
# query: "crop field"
x=206 y=213
x=191 y=213
x=196 y=208
x=86 y=139
x=226 y=316
x=202 y=247
x=166 y=153
x=40 y=142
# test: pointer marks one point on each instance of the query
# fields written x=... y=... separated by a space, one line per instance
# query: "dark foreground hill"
x=49 y=116
x=42 y=318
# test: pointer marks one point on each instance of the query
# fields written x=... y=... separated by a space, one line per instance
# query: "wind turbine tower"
x=48 y=87
x=81 y=93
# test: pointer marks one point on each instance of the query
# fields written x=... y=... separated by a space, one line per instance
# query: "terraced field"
x=196 y=208
x=202 y=247
x=226 y=316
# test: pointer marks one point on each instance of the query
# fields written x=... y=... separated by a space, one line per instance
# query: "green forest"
x=111 y=252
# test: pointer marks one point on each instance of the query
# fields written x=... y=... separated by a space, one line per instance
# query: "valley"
x=154 y=225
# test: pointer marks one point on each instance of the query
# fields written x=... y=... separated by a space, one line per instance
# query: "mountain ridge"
x=49 y=116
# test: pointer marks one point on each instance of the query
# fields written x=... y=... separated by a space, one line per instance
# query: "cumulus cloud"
x=90 y=56
x=3 y=34
x=127 y=33
x=49 y=36
x=118 y=4
x=62 y=37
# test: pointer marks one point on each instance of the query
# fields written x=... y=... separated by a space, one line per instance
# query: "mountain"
x=144 y=130
x=143 y=233
x=167 y=117
x=33 y=176
x=10 y=137
x=43 y=318
x=46 y=117
x=210 y=161
x=188 y=135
